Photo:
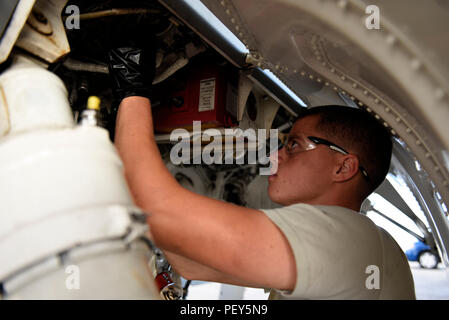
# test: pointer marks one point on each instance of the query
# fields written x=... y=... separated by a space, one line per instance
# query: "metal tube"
x=206 y=30
x=115 y=12
x=399 y=225
x=75 y=65
x=275 y=91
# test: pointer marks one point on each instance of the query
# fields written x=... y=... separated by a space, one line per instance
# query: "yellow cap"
x=93 y=103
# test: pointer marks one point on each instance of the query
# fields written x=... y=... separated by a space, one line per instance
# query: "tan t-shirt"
x=341 y=254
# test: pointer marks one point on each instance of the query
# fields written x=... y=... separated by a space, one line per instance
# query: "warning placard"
x=207 y=95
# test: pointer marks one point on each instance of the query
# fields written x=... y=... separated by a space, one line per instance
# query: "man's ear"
x=348 y=166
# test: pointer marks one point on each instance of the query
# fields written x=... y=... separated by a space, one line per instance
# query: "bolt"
x=416 y=64
x=39 y=16
x=439 y=94
x=391 y=39
x=343 y=4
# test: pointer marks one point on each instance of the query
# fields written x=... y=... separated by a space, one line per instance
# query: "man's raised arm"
x=235 y=242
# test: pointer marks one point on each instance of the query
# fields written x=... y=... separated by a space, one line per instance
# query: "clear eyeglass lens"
x=298 y=144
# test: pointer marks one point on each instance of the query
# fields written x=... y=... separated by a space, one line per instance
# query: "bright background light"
x=403 y=238
x=215 y=23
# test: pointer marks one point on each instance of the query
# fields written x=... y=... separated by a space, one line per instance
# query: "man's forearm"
x=134 y=139
x=135 y=142
x=191 y=270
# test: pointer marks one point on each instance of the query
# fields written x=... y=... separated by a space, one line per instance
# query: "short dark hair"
x=358 y=132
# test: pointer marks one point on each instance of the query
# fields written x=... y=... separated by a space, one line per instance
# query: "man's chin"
x=274 y=196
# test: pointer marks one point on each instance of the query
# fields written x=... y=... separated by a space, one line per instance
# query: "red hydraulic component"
x=208 y=94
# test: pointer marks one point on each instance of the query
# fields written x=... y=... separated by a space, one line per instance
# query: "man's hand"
x=132 y=70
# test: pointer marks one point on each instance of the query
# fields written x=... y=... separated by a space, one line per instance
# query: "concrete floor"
x=429 y=285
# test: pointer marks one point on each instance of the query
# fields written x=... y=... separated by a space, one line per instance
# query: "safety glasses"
x=297 y=143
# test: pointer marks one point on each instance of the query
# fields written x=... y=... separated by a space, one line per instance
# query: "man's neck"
x=336 y=198
x=353 y=205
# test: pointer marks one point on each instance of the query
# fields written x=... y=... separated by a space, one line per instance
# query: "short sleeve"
x=333 y=247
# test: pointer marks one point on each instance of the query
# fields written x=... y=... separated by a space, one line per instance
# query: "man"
x=316 y=247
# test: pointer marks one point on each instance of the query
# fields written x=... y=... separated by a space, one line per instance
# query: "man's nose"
x=277 y=156
x=274 y=162
x=280 y=154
